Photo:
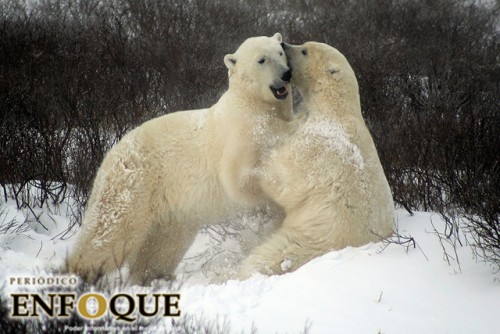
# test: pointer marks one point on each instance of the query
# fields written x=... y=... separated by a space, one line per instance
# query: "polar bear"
x=175 y=173
x=328 y=177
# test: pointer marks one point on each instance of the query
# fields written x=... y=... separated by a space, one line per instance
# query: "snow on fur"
x=334 y=137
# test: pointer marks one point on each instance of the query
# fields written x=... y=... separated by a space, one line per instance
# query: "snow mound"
x=377 y=288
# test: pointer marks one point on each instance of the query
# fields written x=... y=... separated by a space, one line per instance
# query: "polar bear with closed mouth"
x=328 y=176
x=175 y=173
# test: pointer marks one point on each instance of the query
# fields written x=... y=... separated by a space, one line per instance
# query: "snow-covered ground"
x=377 y=288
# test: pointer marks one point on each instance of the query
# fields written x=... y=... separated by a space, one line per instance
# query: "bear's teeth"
x=281 y=91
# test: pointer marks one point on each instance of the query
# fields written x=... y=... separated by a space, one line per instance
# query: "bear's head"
x=259 y=69
x=321 y=69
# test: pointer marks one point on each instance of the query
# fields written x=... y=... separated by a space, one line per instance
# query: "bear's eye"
x=262 y=60
x=304 y=52
x=281 y=53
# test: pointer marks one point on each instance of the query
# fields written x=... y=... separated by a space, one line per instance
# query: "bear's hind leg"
x=162 y=250
x=95 y=256
x=114 y=227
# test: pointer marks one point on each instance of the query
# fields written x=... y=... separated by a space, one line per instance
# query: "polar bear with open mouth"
x=175 y=173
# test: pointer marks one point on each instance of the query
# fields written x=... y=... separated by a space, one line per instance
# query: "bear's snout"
x=287 y=76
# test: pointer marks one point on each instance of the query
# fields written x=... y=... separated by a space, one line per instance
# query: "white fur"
x=171 y=175
x=328 y=176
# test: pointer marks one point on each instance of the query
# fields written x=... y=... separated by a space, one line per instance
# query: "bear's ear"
x=333 y=68
x=278 y=37
x=229 y=60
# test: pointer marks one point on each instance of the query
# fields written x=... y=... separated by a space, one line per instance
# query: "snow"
x=376 y=288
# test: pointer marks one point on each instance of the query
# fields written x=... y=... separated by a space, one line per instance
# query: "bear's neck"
x=330 y=102
x=238 y=102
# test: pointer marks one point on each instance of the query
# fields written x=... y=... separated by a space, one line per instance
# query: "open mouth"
x=280 y=93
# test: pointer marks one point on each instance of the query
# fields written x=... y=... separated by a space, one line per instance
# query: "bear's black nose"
x=287 y=76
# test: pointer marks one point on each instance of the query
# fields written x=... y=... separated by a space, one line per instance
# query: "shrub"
x=77 y=75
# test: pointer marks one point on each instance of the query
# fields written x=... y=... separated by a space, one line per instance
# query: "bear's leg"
x=162 y=250
x=99 y=253
x=284 y=251
x=110 y=232
x=91 y=261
